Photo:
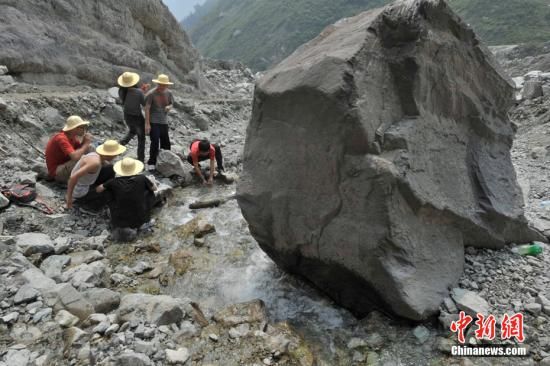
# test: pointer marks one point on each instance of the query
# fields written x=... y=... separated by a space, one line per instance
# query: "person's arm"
x=170 y=102
x=75 y=155
x=198 y=170
x=84 y=169
x=211 y=176
x=148 y=102
x=105 y=186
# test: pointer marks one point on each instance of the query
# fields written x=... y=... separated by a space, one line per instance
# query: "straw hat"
x=73 y=122
x=110 y=148
x=128 y=166
x=128 y=79
x=163 y=80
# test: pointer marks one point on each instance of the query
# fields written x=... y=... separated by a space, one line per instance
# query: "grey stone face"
x=139 y=34
x=377 y=151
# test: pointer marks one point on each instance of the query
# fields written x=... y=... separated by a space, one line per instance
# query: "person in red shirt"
x=64 y=149
x=201 y=150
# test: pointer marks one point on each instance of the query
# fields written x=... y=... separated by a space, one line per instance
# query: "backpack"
x=20 y=193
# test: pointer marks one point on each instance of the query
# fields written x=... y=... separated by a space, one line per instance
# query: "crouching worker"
x=132 y=197
x=66 y=147
x=202 y=150
x=92 y=170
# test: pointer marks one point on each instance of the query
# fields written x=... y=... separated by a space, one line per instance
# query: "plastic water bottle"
x=528 y=249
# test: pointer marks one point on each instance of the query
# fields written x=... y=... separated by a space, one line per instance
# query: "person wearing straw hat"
x=66 y=147
x=133 y=99
x=131 y=194
x=158 y=102
x=91 y=171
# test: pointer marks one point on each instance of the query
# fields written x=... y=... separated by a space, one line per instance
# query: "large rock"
x=66 y=297
x=33 y=243
x=100 y=40
x=376 y=151
x=103 y=299
x=169 y=164
x=159 y=310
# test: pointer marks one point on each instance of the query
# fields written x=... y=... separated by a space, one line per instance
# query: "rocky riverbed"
x=197 y=290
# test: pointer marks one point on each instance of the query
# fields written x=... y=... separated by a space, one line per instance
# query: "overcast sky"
x=182 y=8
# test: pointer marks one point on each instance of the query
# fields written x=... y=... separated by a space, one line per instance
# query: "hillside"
x=68 y=42
x=262 y=32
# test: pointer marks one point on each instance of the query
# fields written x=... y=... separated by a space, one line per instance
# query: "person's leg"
x=63 y=171
x=140 y=131
x=130 y=122
x=154 y=136
x=164 y=137
x=219 y=158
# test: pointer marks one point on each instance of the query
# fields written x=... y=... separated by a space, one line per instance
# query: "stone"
x=62 y=244
x=177 y=357
x=10 y=318
x=545 y=362
x=169 y=164
x=42 y=190
x=181 y=260
x=533 y=308
x=247 y=312
x=450 y=305
x=18 y=357
x=421 y=333
x=355 y=201
x=101 y=328
x=532 y=89
x=113 y=46
x=544 y=302
x=103 y=300
x=66 y=319
x=25 y=294
x=158 y=310
x=53 y=265
x=470 y=302
x=85 y=257
x=41 y=315
x=73 y=336
x=65 y=296
x=3 y=69
x=25 y=334
x=4 y=202
x=129 y=358
x=33 y=243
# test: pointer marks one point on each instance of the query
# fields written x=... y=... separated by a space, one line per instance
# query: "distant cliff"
x=70 y=41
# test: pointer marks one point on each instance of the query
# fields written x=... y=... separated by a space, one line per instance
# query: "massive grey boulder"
x=377 y=151
x=65 y=41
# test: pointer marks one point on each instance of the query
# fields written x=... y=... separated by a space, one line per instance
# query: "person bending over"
x=202 y=150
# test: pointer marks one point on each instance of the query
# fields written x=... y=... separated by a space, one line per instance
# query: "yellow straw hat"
x=128 y=79
x=74 y=122
x=162 y=79
x=128 y=167
x=110 y=148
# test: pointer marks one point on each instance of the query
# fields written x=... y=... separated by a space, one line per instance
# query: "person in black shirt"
x=132 y=195
x=133 y=99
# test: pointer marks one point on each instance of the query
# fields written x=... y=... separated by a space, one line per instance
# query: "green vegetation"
x=262 y=32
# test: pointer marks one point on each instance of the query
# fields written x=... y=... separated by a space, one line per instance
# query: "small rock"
x=33 y=243
x=532 y=89
x=4 y=202
x=73 y=336
x=85 y=257
x=533 y=308
x=130 y=358
x=421 y=333
x=356 y=343
x=180 y=356
x=42 y=314
x=25 y=294
x=470 y=302
x=10 y=318
x=213 y=337
x=66 y=319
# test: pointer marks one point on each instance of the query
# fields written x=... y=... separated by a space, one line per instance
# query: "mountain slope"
x=70 y=41
x=262 y=32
